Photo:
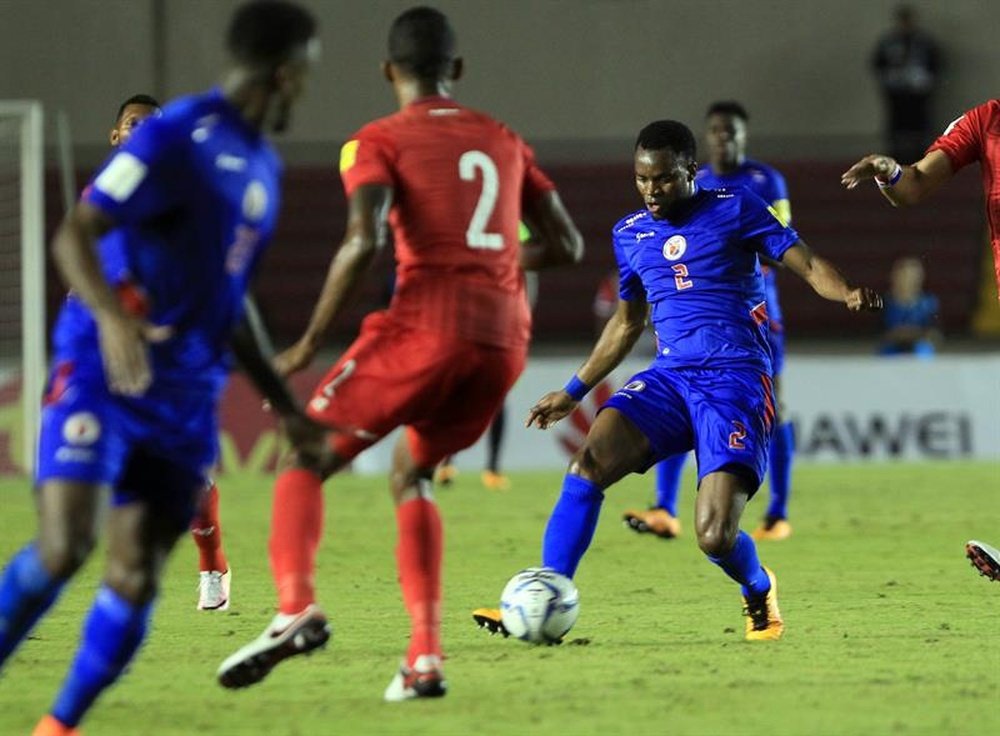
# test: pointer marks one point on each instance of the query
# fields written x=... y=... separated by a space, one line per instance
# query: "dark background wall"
x=574 y=76
x=577 y=78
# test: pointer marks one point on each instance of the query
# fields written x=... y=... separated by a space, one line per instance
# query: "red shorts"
x=443 y=389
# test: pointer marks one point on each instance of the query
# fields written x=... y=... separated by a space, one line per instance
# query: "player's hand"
x=296 y=358
x=870 y=166
x=124 y=341
x=863 y=300
x=550 y=409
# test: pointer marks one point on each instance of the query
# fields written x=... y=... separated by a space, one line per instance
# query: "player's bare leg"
x=300 y=627
x=722 y=497
x=418 y=556
x=614 y=447
x=214 y=574
x=140 y=538
x=32 y=580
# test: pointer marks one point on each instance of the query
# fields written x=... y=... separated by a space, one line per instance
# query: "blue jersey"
x=701 y=276
x=194 y=194
x=922 y=312
x=768 y=184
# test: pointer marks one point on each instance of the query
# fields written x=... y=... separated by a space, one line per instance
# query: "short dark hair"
x=728 y=107
x=140 y=99
x=668 y=134
x=266 y=32
x=422 y=41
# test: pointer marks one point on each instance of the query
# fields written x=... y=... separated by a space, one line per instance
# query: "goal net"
x=22 y=281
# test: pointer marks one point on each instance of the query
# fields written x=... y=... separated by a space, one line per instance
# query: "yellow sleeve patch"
x=784 y=209
x=781 y=210
x=348 y=155
x=523 y=233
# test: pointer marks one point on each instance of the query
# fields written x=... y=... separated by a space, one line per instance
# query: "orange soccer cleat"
x=444 y=474
x=772 y=530
x=491 y=620
x=495 y=481
x=653 y=521
x=52 y=726
x=763 y=617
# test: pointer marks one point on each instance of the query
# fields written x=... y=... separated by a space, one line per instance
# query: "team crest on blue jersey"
x=81 y=429
x=254 y=200
x=674 y=248
x=634 y=386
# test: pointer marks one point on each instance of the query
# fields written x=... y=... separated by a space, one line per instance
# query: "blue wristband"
x=576 y=388
x=894 y=177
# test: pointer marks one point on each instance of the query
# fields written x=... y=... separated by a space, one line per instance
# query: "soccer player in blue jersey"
x=690 y=260
x=214 y=575
x=191 y=200
x=728 y=167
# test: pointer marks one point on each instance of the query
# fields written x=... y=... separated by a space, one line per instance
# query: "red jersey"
x=459 y=178
x=976 y=137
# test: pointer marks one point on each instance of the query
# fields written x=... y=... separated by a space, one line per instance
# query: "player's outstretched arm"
x=555 y=240
x=123 y=337
x=616 y=341
x=901 y=185
x=367 y=231
x=827 y=281
x=252 y=347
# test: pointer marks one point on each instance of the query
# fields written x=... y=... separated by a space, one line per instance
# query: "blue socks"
x=27 y=590
x=668 y=482
x=112 y=634
x=780 y=470
x=743 y=566
x=571 y=525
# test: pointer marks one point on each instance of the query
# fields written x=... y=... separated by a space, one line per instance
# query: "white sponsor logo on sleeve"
x=952 y=124
x=121 y=177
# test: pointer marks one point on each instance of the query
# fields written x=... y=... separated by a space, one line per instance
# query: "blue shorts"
x=724 y=415
x=156 y=448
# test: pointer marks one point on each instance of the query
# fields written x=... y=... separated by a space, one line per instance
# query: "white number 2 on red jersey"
x=476 y=235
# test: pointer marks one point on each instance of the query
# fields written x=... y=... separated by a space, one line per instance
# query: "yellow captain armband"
x=348 y=155
x=782 y=211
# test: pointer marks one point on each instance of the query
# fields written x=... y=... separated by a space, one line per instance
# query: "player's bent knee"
x=715 y=540
x=137 y=585
x=64 y=555
x=585 y=464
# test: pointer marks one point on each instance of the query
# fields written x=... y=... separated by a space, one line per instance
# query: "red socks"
x=207 y=533
x=296 y=526
x=418 y=555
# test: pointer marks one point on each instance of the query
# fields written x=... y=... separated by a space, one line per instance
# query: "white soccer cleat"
x=984 y=558
x=286 y=636
x=213 y=590
x=424 y=680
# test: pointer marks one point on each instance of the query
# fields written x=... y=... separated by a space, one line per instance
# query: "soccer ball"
x=539 y=605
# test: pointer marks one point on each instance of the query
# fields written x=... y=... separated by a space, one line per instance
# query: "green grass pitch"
x=889 y=630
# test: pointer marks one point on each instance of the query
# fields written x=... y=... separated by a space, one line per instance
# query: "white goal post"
x=23 y=252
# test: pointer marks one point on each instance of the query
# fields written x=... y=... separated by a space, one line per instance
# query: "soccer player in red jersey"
x=451 y=183
x=975 y=136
